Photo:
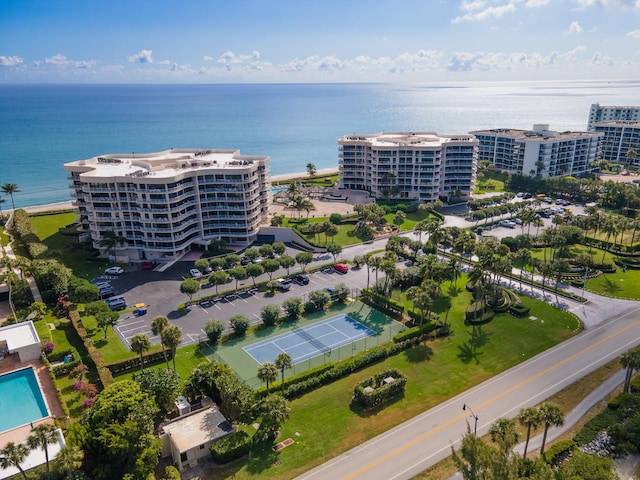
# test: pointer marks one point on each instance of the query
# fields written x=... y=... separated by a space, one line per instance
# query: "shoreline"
x=67 y=205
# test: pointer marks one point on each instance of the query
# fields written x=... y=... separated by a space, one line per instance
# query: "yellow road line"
x=484 y=404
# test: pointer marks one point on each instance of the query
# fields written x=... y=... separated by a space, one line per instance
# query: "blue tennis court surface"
x=310 y=341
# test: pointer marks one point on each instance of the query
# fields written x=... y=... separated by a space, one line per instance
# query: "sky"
x=316 y=41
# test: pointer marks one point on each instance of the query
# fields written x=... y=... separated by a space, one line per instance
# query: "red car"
x=341 y=267
x=147 y=266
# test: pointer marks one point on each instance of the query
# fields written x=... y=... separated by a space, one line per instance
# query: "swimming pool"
x=21 y=400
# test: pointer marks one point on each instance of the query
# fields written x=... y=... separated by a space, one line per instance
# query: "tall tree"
x=42 y=436
x=267 y=372
x=630 y=360
x=13 y=455
x=140 y=343
x=311 y=169
x=172 y=337
x=158 y=324
x=283 y=362
x=274 y=411
x=191 y=286
x=549 y=415
x=110 y=240
x=106 y=320
x=530 y=418
x=10 y=189
x=69 y=460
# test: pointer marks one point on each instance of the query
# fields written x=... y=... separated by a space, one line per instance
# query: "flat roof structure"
x=197 y=428
x=19 y=335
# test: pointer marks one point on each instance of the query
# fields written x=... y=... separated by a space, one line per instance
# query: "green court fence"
x=246 y=367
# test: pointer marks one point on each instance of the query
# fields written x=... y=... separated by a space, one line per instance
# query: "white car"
x=284 y=284
x=114 y=271
x=195 y=273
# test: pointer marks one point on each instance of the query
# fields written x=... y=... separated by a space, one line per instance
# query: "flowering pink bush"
x=79 y=371
x=48 y=347
x=78 y=386
x=89 y=389
x=88 y=402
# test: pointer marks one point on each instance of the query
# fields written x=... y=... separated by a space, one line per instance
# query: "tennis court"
x=310 y=341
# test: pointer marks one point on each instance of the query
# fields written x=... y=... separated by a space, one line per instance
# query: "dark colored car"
x=301 y=279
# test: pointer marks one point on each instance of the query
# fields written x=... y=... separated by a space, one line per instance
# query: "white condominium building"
x=609 y=113
x=618 y=138
x=161 y=205
x=539 y=151
x=422 y=166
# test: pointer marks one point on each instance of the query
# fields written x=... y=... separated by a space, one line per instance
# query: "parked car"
x=116 y=303
x=195 y=273
x=114 y=271
x=507 y=223
x=301 y=279
x=284 y=284
x=341 y=267
x=148 y=265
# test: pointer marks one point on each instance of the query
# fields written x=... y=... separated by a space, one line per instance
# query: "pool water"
x=21 y=400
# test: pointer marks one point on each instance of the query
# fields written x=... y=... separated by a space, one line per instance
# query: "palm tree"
x=13 y=455
x=10 y=189
x=110 y=241
x=172 y=337
x=631 y=156
x=2 y=200
x=43 y=435
x=631 y=361
x=267 y=372
x=140 y=343
x=283 y=361
x=530 y=418
x=549 y=415
x=157 y=326
x=69 y=459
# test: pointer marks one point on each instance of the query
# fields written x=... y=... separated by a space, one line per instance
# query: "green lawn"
x=323 y=424
x=490 y=181
x=618 y=285
x=347 y=234
x=4 y=238
x=72 y=255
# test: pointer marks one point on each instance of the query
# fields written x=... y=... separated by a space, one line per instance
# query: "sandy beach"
x=67 y=205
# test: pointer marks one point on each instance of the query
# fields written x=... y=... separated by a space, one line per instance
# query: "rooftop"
x=197 y=428
x=19 y=335
x=164 y=164
x=408 y=139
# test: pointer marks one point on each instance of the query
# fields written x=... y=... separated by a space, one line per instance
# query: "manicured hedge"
x=414 y=332
x=22 y=227
x=59 y=356
x=519 y=310
x=380 y=391
x=124 y=366
x=64 y=369
x=231 y=447
x=558 y=450
x=348 y=366
x=301 y=377
x=103 y=372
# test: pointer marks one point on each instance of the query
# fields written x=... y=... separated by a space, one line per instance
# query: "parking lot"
x=160 y=292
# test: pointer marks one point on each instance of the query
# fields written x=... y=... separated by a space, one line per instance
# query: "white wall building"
x=539 y=151
x=617 y=139
x=20 y=338
x=166 y=203
x=422 y=166
x=609 y=113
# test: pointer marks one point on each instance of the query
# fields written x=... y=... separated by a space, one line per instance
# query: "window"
x=183 y=457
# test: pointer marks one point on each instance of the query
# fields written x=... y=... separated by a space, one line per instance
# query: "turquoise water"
x=44 y=126
x=21 y=400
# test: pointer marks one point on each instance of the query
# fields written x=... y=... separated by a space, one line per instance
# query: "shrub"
x=380 y=388
x=231 y=447
x=64 y=368
x=48 y=347
x=558 y=450
x=270 y=314
x=414 y=332
x=214 y=329
x=519 y=310
x=240 y=323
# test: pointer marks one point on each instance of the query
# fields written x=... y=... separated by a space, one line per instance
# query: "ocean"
x=44 y=126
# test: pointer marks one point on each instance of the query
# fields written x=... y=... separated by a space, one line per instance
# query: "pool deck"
x=20 y=434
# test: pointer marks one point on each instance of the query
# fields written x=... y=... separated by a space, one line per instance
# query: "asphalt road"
x=423 y=441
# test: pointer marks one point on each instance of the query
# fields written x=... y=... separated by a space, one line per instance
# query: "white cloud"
x=584 y=4
x=634 y=34
x=316 y=63
x=164 y=62
x=62 y=61
x=487 y=13
x=537 y=3
x=575 y=27
x=11 y=61
x=473 y=5
x=144 y=56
